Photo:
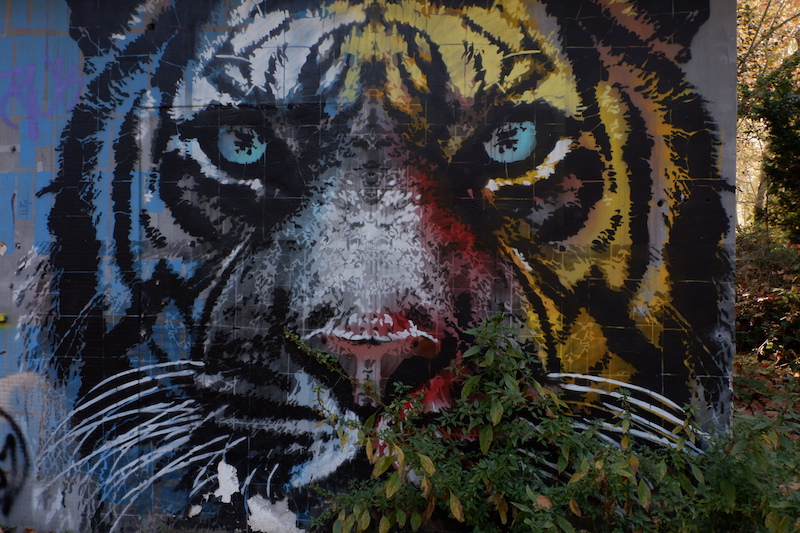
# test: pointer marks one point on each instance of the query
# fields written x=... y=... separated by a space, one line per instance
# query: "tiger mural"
x=377 y=177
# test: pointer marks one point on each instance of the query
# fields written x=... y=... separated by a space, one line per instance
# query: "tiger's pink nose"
x=371 y=352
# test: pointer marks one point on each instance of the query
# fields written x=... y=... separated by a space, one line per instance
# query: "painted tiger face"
x=378 y=204
x=378 y=177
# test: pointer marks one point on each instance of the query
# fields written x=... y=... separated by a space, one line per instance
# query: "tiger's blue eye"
x=241 y=144
x=512 y=142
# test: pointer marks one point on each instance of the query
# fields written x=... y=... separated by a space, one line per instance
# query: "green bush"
x=509 y=456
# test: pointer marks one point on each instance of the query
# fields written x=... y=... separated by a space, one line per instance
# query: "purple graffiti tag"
x=16 y=89
x=22 y=86
x=64 y=81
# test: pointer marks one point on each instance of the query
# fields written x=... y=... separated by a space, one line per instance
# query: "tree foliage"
x=779 y=107
x=766 y=34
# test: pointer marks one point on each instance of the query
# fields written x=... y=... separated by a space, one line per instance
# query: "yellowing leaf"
x=633 y=463
x=573 y=506
x=382 y=465
x=400 y=455
x=344 y=437
x=577 y=476
x=370 y=453
x=348 y=523
x=430 y=509
x=456 y=509
x=363 y=521
x=501 y=505
x=426 y=486
x=384 y=525
x=544 y=501
x=427 y=464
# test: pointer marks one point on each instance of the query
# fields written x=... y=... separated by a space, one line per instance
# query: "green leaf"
x=523 y=508
x=393 y=484
x=697 y=473
x=469 y=386
x=728 y=490
x=661 y=470
x=645 y=495
x=564 y=524
x=416 y=520
x=685 y=483
x=369 y=424
x=488 y=357
x=401 y=517
x=512 y=385
x=563 y=462
x=496 y=411
x=472 y=350
x=473 y=331
x=358 y=510
x=486 y=436
x=738 y=448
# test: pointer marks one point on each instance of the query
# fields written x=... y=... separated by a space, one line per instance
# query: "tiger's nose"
x=371 y=352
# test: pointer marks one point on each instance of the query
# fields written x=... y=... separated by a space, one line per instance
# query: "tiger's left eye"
x=512 y=142
x=241 y=144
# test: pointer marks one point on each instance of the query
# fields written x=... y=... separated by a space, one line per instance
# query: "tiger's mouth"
x=371 y=352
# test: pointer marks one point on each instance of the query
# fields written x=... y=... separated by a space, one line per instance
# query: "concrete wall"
x=180 y=182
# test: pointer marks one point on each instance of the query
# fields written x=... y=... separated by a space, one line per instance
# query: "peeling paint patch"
x=228 y=482
x=267 y=517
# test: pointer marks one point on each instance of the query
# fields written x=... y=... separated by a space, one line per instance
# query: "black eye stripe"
x=216 y=115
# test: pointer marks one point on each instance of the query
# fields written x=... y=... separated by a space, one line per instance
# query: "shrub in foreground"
x=510 y=456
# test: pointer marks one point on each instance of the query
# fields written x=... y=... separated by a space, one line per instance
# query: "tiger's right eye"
x=241 y=144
